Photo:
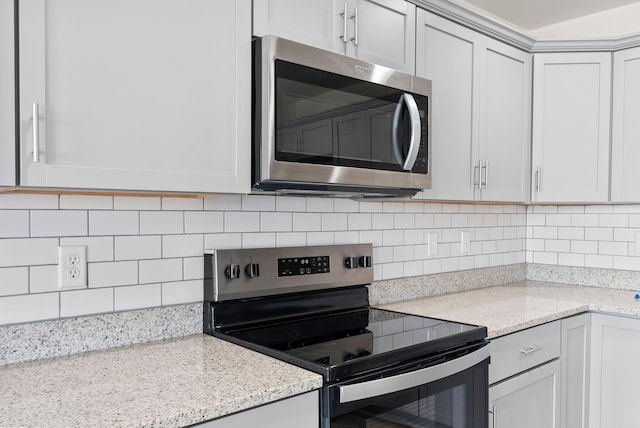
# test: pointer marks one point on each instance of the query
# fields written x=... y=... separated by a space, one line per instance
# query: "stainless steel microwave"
x=324 y=123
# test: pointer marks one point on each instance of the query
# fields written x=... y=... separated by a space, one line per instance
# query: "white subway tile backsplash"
x=346 y=237
x=137 y=297
x=138 y=247
x=28 y=202
x=558 y=220
x=598 y=261
x=194 y=268
x=222 y=241
x=86 y=202
x=14 y=280
x=341 y=205
x=614 y=220
x=432 y=208
x=164 y=270
x=319 y=205
x=43 y=279
x=182 y=204
x=403 y=253
x=634 y=220
x=441 y=221
x=241 y=221
x=14 y=224
x=575 y=233
x=489 y=220
x=58 y=223
x=404 y=221
x=571 y=259
x=392 y=270
x=413 y=237
x=28 y=308
x=291 y=239
x=598 y=234
x=310 y=222
x=113 y=223
x=451 y=265
x=182 y=245
x=626 y=263
x=333 y=221
x=258 y=203
x=545 y=232
x=276 y=222
x=258 y=240
x=414 y=208
x=370 y=207
x=432 y=266
x=203 y=222
x=584 y=247
x=320 y=238
x=99 y=249
x=85 y=302
x=584 y=220
x=424 y=221
x=223 y=203
x=136 y=203
x=459 y=220
x=291 y=204
x=112 y=274
x=612 y=248
x=382 y=221
x=174 y=293
x=161 y=222
x=392 y=207
x=545 y=209
x=598 y=209
x=413 y=268
x=28 y=251
x=558 y=246
x=545 y=258
x=392 y=238
x=373 y=237
x=359 y=221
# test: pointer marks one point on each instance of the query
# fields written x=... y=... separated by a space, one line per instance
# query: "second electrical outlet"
x=72 y=266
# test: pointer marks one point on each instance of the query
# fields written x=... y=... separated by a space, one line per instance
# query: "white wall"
x=147 y=252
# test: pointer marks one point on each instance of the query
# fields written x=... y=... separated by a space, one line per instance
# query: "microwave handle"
x=414 y=144
x=378 y=387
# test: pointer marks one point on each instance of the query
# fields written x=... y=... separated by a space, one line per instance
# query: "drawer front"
x=517 y=352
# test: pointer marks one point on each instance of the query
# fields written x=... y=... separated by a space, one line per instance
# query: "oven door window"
x=458 y=401
x=328 y=119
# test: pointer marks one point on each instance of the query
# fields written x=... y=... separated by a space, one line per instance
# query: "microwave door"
x=406 y=100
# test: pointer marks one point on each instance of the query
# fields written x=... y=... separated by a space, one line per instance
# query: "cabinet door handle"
x=494 y=413
x=36 y=133
x=343 y=14
x=354 y=39
x=476 y=175
x=530 y=350
x=537 y=179
x=486 y=175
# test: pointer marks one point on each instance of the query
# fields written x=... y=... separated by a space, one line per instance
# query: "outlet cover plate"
x=72 y=267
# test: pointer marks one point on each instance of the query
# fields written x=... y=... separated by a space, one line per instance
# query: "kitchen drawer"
x=517 y=352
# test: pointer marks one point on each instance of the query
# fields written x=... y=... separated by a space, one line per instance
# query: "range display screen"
x=292 y=266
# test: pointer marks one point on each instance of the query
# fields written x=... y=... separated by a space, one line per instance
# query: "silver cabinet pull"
x=476 y=175
x=343 y=14
x=494 y=413
x=36 y=133
x=354 y=39
x=486 y=175
x=537 y=179
x=527 y=350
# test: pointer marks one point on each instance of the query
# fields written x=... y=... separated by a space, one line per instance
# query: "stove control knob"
x=364 y=261
x=351 y=262
x=232 y=271
x=252 y=270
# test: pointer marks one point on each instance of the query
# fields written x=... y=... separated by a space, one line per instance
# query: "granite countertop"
x=166 y=383
x=509 y=308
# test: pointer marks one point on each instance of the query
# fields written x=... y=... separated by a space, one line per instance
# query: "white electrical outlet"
x=432 y=244
x=72 y=267
x=465 y=242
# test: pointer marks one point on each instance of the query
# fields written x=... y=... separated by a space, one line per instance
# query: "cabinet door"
x=505 y=124
x=448 y=55
x=383 y=32
x=316 y=23
x=625 y=152
x=614 y=381
x=528 y=400
x=576 y=340
x=571 y=110
x=7 y=96
x=302 y=411
x=136 y=94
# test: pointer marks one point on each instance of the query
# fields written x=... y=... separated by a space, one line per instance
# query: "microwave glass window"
x=325 y=118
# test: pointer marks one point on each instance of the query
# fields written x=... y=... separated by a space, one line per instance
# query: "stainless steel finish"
x=412 y=379
x=36 y=133
x=537 y=179
x=476 y=175
x=222 y=288
x=354 y=39
x=343 y=14
x=530 y=350
x=414 y=144
x=272 y=170
x=486 y=175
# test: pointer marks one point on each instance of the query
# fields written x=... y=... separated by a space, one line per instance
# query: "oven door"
x=450 y=393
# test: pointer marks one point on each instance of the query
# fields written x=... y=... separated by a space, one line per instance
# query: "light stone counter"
x=169 y=383
x=509 y=308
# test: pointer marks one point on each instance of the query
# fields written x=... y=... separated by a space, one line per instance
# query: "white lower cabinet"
x=528 y=400
x=302 y=411
x=576 y=339
x=614 y=381
x=524 y=377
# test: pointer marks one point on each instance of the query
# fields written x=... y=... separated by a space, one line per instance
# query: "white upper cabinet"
x=480 y=112
x=571 y=111
x=148 y=95
x=377 y=31
x=625 y=150
x=7 y=96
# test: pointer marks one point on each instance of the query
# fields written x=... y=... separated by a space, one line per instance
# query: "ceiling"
x=532 y=14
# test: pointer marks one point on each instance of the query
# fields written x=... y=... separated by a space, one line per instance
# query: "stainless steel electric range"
x=309 y=306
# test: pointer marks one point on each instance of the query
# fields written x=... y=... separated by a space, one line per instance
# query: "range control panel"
x=256 y=272
x=303 y=266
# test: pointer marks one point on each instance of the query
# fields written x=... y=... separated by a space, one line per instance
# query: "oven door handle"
x=378 y=387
